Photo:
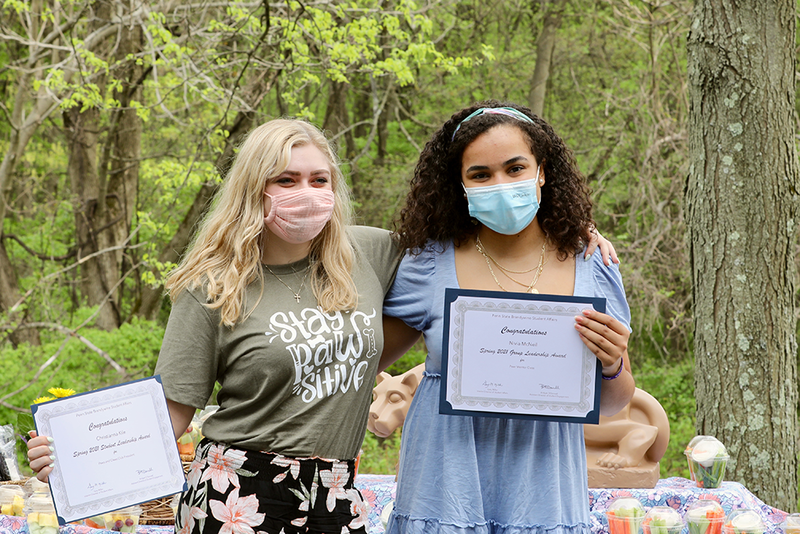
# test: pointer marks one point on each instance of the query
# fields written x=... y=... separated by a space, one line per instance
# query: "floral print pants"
x=232 y=491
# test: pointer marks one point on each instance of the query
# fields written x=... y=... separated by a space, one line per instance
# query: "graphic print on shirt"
x=326 y=361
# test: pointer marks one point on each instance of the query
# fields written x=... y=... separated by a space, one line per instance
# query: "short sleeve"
x=381 y=252
x=608 y=280
x=410 y=297
x=189 y=362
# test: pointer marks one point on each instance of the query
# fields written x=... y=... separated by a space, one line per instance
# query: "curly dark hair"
x=436 y=208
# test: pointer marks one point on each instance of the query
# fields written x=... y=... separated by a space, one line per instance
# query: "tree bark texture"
x=741 y=209
x=120 y=171
x=97 y=274
x=104 y=173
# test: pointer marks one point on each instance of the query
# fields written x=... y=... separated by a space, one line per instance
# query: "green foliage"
x=380 y=456
x=673 y=386
x=408 y=361
x=75 y=365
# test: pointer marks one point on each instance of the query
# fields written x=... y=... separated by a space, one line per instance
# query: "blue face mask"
x=505 y=208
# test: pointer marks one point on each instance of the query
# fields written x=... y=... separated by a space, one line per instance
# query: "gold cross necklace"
x=302 y=284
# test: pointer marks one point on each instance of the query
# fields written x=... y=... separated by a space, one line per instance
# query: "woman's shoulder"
x=376 y=247
x=600 y=270
x=194 y=299
x=419 y=264
x=608 y=284
x=369 y=234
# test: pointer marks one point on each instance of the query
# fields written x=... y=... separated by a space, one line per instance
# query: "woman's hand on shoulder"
x=607 y=250
x=40 y=455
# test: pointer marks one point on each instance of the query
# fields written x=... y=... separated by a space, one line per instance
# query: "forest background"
x=119 y=121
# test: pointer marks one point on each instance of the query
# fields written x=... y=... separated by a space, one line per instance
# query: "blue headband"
x=510 y=112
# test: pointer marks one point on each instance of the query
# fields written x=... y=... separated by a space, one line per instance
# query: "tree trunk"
x=120 y=176
x=544 y=55
x=741 y=205
x=95 y=283
x=9 y=294
x=337 y=122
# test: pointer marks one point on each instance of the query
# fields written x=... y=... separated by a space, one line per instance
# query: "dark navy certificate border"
x=450 y=296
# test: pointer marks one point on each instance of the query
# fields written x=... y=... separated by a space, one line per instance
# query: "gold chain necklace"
x=302 y=284
x=528 y=287
x=482 y=250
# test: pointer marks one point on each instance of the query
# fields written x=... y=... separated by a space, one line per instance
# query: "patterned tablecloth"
x=379 y=490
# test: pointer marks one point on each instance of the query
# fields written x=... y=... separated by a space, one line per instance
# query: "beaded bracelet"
x=619 y=372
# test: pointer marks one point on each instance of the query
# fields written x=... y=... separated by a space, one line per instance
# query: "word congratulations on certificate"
x=518 y=355
x=114 y=447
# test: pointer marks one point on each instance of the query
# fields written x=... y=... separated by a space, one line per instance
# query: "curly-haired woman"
x=497 y=203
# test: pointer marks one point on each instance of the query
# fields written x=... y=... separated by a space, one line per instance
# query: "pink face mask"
x=298 y=216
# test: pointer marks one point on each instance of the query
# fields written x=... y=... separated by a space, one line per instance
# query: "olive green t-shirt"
x=294 y=380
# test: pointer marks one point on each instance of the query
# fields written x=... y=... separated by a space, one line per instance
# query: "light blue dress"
x=482 y=475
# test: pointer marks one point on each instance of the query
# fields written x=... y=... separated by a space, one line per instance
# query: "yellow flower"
x=43 y=399
x=61 y=392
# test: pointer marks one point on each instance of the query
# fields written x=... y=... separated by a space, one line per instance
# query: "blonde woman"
x=278 y=300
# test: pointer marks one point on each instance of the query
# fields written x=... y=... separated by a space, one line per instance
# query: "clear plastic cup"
x=175 y=503
x=123 y=520
x=41 y=514
x=95 y=522
x=662 y=520
x=34 y=485
x=705 y=516
x=12 y=500
x=707 y=460
x=625 y=516
x=743 y=521
x=791 y=525
x=688 y=452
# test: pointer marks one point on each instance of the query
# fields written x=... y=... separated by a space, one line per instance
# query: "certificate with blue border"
x=114 y=448
x=518 y=355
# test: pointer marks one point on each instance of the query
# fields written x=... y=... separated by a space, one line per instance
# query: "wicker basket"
x=157 y=512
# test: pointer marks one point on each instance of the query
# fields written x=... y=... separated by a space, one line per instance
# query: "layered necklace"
x=302 y=284
x=529 y=288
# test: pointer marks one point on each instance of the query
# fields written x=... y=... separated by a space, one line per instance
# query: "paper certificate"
x=114 y=447
x=518 y=355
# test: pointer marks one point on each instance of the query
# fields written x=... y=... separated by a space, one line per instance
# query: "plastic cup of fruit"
x=743 y=521
x=688 y=453
x=708 y=460
x=123 y=520
x=12 y=500
x=95 y=522
x=662 y=520
x=705 y=516
x=41 y=515
x=791 y=524
x=625 y=516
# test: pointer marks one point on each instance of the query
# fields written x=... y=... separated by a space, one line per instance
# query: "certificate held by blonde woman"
x=114 y=448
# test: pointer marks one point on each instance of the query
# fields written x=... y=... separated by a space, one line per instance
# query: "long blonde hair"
x=226 y=254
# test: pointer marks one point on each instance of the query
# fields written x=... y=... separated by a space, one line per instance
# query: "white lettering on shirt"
x=326 y=361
